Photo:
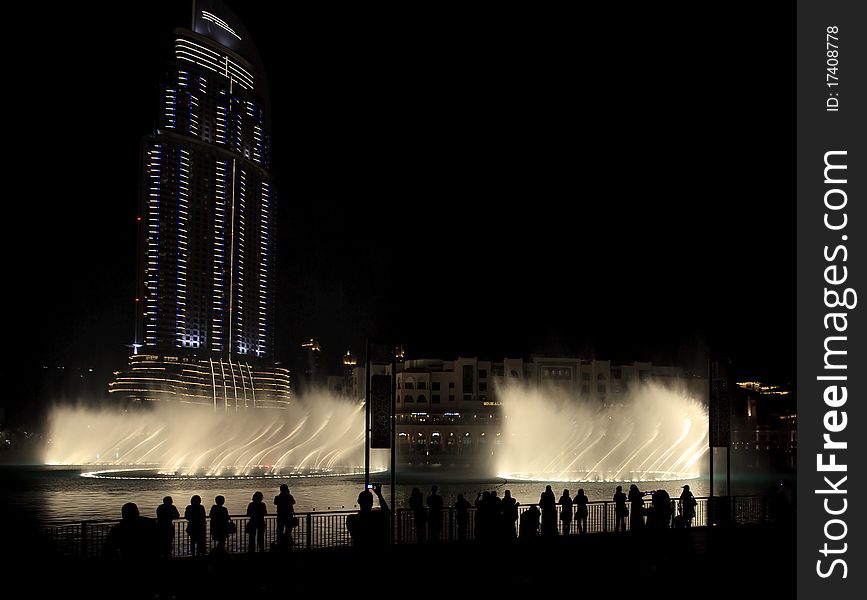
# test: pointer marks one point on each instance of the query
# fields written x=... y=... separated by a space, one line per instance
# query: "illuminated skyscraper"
x=207 y=227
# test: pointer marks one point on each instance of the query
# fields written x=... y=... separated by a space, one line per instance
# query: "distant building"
x=349 y=364
x=765 y=426
x=205 y=304
x=312 y=363
x=451 y=406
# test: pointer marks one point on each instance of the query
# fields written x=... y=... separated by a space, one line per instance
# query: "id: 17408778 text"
x=832 y=61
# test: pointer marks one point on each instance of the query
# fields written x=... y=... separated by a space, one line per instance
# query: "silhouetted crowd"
x=137 y=537
x=496 y=519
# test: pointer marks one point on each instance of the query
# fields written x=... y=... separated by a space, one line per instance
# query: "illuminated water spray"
x=657 y=434
x=318 y=435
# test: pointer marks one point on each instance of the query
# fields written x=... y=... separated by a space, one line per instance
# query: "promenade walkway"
x=749 y=561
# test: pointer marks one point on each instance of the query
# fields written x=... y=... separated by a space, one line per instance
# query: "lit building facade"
x=206 y=295
x=764 y=426
x=451 y=408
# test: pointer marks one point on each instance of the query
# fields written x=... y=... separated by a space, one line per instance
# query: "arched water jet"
x=657 y=434
x=319 y=434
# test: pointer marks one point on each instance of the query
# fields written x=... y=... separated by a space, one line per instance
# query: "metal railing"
x=87 y=539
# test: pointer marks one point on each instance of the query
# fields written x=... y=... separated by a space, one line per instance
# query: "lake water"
x=54 y=494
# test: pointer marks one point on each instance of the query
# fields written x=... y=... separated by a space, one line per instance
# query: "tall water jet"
x=655 y=434
x=320 y=434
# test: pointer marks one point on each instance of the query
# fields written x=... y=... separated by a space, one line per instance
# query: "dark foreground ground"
x=741 y=562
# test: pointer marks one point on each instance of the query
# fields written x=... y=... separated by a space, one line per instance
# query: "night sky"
x=481 y=183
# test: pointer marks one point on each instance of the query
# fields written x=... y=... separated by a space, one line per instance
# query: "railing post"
x=605 y=517
x=84 y=539
x=397 y=516
x=309 y=532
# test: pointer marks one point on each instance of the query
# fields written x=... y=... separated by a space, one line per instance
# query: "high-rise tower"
x=207 y=251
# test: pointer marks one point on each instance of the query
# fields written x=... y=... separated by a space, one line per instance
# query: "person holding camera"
x=369 y=527
x=660 y=514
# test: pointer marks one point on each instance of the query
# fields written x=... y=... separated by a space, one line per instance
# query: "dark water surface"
x=61 y=494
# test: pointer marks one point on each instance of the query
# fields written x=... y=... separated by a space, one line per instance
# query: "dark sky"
x=617 y=185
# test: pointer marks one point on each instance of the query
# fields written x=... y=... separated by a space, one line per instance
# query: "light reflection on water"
x=62 y=495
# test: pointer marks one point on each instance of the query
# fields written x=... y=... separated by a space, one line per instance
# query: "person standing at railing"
x=509 y=512
x=219 y=516
x=621 y=511
x=135 y=538
x=256 y=511
x=686 y=506
x=462 y=514
x=285 y=504
x=529 y=523
x=566 y=512
x=196 y=525
x=548 y=504
x=419 y=516
x=369 y=527
x=660 y=515
x=486 y=518
x=580 y=503
x=636 y=501
x=435 y=513
x=167 y=512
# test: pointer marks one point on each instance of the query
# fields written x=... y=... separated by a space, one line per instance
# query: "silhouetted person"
x=485 y=517
x=435 y=513
x=621 y=511
x=660 y=516
x=686 y=506
x=285 y=503
x=581 y=510
x=135 y=538
x=219 y=516
x=780 y=505
x=167 y=512
x=529 y=525
x=462 y=514
x=566 y=512
x=256 y=511
x=636 y=501
x=496 y=502
x=548 y=504
x=509 y=515
x=419 y=515
x=196 y=525
x=369 y=527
